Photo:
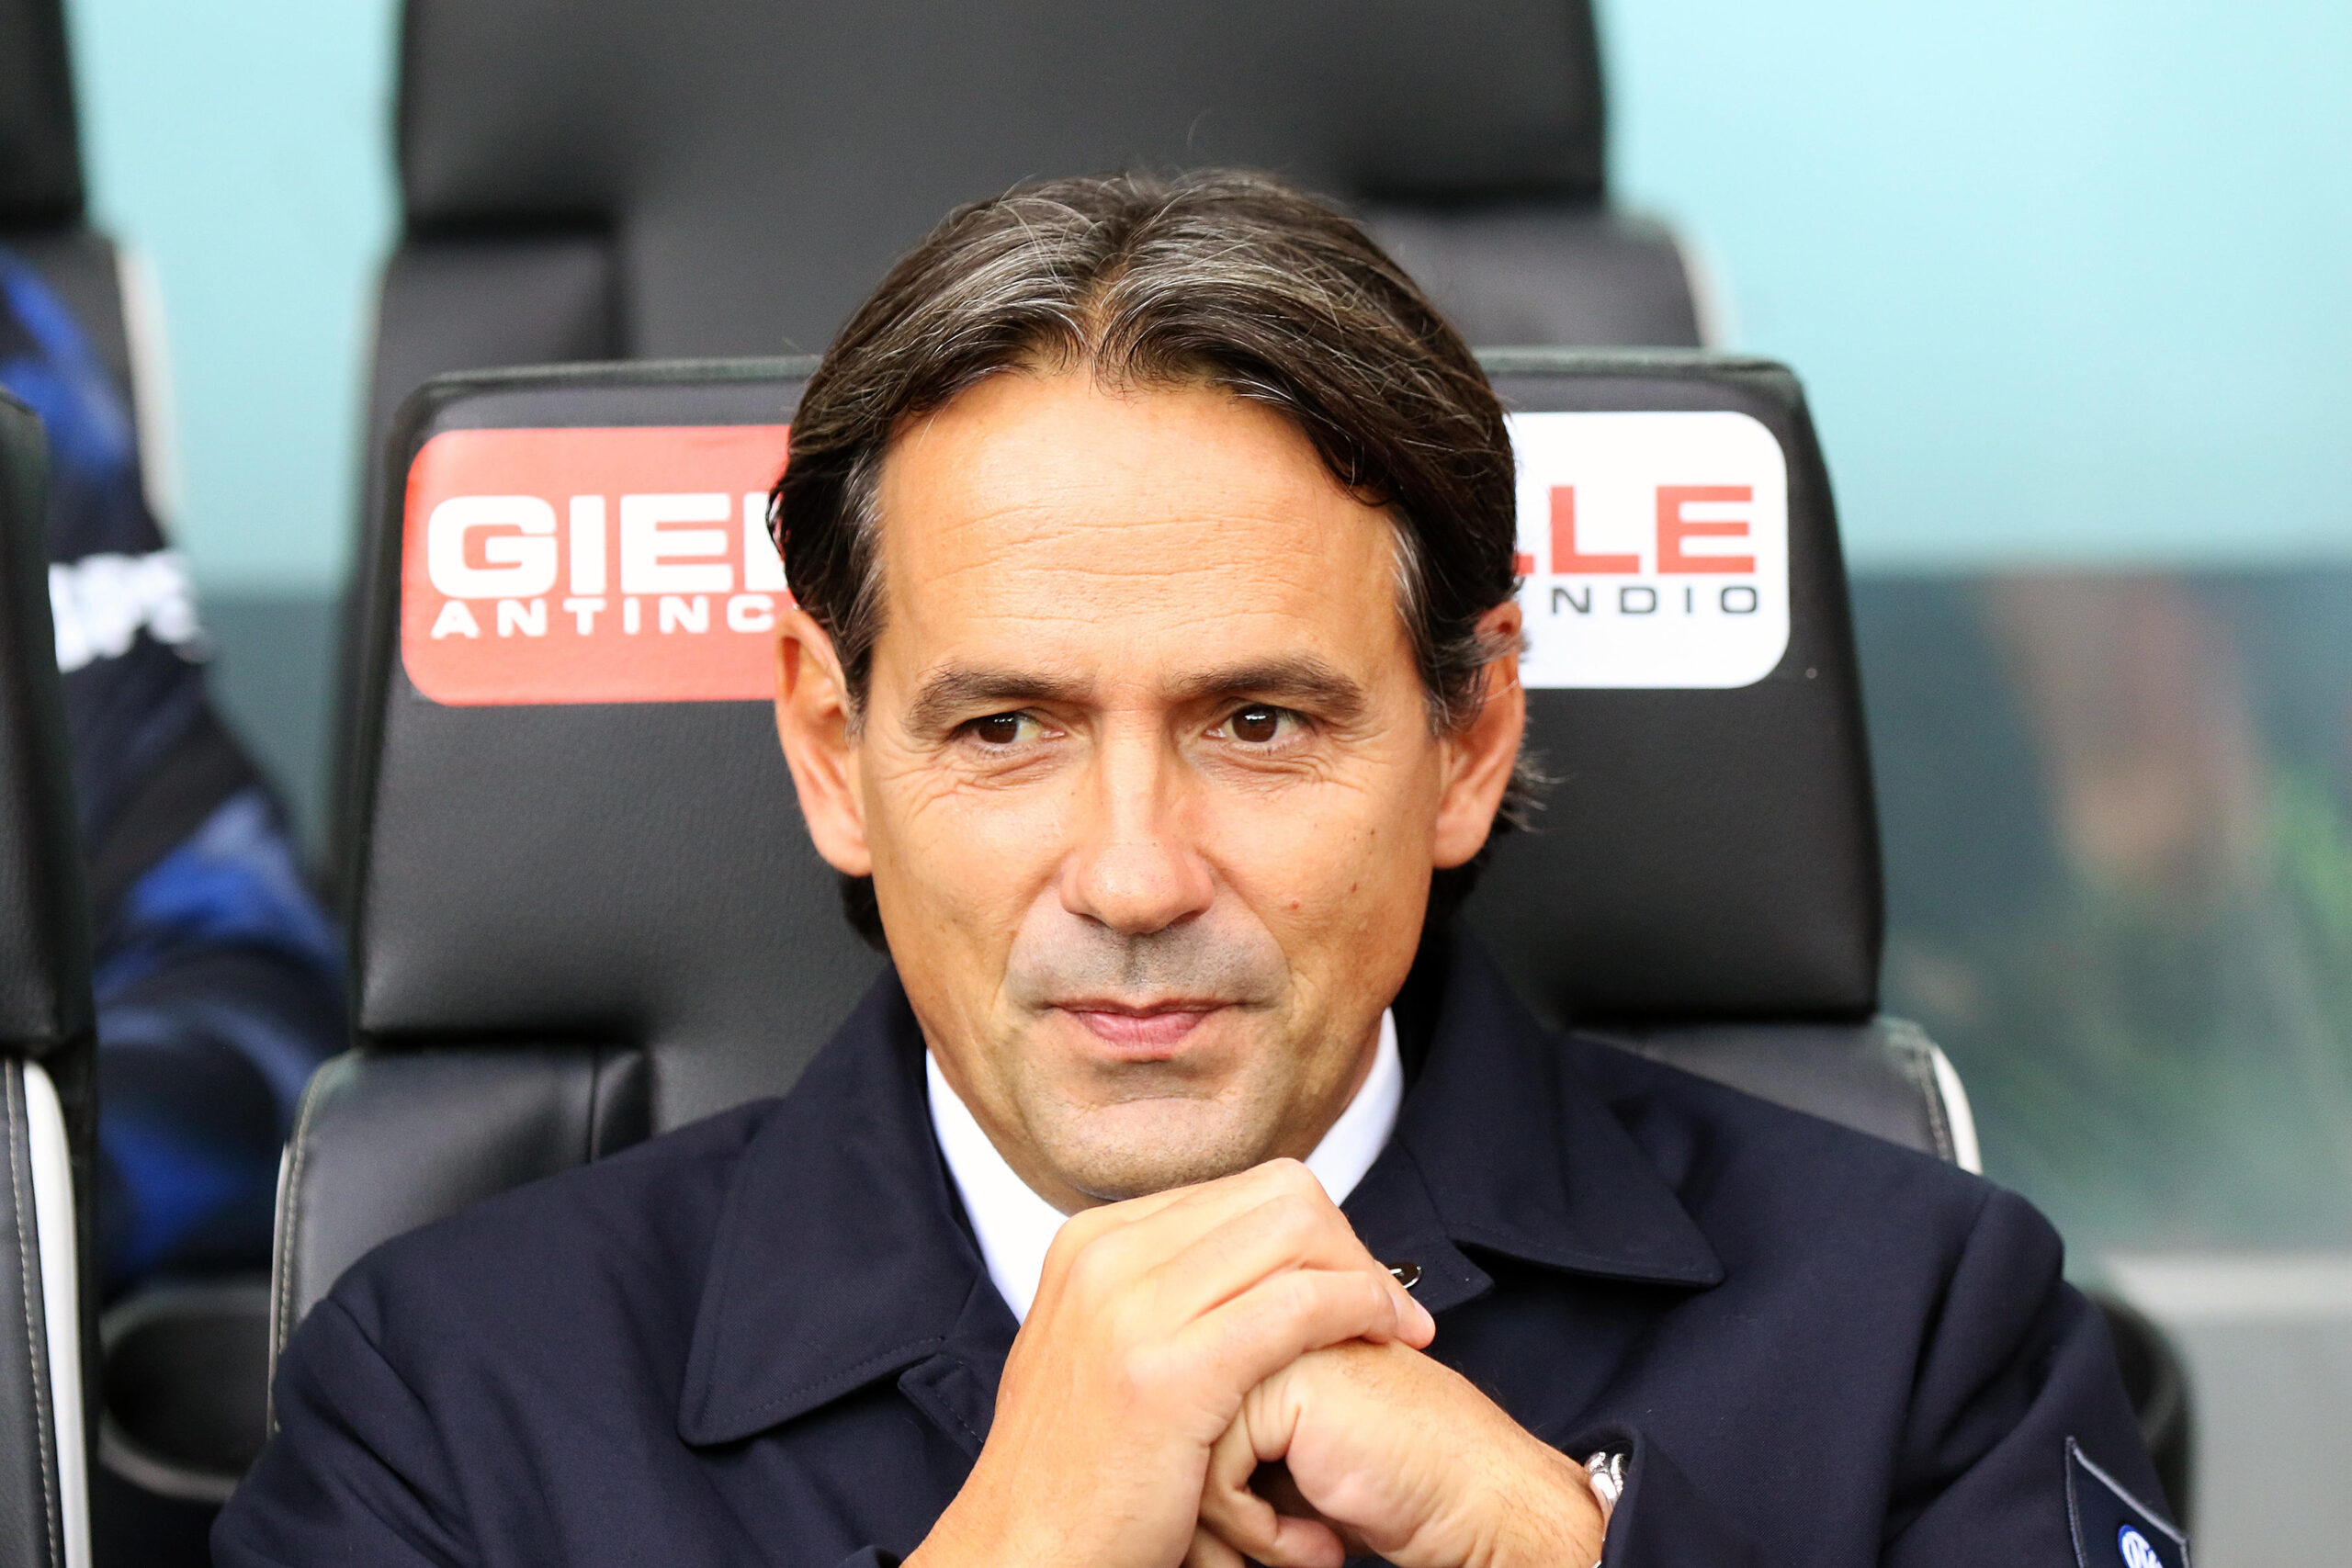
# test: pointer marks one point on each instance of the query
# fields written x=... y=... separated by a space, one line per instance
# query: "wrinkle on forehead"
x=1016 y=517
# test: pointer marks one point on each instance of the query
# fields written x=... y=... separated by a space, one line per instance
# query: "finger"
x=1292 y=1223
x=1120 y=1242
x=1240 y=1517
x=1204 y=1205
x=1208 y=1551
x=1094 y=1234
x=1291 y=1230
x=1243 y=1187
x=1303 y=1543
x=1235 y=1512
x=1250 y=1338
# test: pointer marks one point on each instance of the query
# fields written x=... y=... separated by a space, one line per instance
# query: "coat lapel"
x=1502 y=1146
x=841 y=1256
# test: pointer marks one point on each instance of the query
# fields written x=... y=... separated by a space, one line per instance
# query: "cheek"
x=1331 y=865
x=965 y=855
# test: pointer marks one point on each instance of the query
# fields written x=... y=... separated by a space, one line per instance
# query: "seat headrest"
x=40 y=160
x=761 y=161
x=1709 y=848
x=576 y=824
x=547 y=851
x=44 y=923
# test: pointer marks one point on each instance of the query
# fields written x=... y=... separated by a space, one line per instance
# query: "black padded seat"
x=42 y=196
x=41 y=158
x=740 y=181
x=578 y=918
x=639 y=179
x=43 y=220
x=48 y=1108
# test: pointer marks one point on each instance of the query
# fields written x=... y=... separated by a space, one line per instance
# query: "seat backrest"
x=643 y=179
x=646 y=178
x=48 y=1112
x=585 y=905
x=42 y=201
x=41 y=159
x=1710 y=848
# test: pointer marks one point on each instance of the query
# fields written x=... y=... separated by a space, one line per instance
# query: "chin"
x=1135 y=1150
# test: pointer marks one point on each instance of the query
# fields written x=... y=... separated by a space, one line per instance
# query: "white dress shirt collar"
x=1015 y=1226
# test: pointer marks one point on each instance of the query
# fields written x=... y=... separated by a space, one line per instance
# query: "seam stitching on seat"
x=282 y=1308
x=18 y=1110
x=596 y=1086
x=1917 y=1051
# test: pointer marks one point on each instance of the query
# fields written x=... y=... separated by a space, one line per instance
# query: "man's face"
x=1145 y=779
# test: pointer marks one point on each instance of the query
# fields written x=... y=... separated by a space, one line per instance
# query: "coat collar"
x=842 y=1256
x=1501 y=1148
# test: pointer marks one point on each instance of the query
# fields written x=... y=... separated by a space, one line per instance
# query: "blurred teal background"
x=245 y=149
x=2068 y=283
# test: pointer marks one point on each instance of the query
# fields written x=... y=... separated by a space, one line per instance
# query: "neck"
x=1297 y=1139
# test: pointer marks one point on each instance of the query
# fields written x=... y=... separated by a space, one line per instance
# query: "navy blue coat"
x=769 y=1339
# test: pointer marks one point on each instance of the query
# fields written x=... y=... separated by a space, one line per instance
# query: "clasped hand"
x=1180 y=1342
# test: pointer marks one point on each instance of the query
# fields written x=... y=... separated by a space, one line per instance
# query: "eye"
x=1004 y=728
x=1260 y=724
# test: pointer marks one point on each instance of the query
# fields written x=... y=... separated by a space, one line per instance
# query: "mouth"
x=1146 y=1033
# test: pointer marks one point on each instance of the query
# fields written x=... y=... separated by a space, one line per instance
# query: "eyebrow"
x=1302 y=681
x=956 y=693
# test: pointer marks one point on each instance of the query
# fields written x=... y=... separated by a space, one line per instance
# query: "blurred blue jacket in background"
x=218 y=975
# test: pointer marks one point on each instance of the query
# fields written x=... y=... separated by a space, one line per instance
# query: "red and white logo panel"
x=633 y=564
x=1656 y=549
x=626 y=565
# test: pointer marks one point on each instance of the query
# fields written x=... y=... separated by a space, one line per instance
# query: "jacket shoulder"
x=629 y=1233
x=1739 y=1159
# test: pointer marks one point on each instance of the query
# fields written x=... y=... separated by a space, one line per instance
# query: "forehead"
x=1041 y=517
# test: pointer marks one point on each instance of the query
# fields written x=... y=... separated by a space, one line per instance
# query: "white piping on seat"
x=61 y=1302
x=154 y=403
x=1965 y=1151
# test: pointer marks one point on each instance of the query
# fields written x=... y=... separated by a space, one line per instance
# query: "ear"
x=812 y=721
x=1480 y=755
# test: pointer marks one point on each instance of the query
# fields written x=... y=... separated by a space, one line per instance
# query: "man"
x=1189 y=1193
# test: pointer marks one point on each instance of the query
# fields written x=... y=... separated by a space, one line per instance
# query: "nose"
x=1131 y=863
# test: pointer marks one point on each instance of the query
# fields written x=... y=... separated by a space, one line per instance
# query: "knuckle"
x=1146 y=1375
x=1360 y=1299
x=1086 y=1225
x=1292 y=1176
x=1062 y=1252
x=1090 y=1265
x=1089 y=1270
x=1291 y=1213
x=1299 y=1293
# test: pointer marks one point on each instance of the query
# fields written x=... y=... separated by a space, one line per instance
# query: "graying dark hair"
x=1216 y=279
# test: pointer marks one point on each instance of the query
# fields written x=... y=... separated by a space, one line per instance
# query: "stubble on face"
x=1117 y=1126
